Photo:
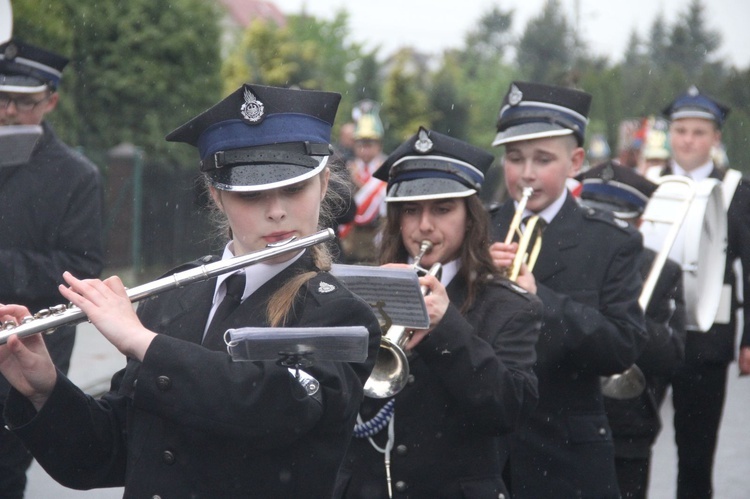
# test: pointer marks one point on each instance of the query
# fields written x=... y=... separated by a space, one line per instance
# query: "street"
x=94 y=360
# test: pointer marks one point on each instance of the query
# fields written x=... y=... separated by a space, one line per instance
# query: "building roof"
x=243 y=12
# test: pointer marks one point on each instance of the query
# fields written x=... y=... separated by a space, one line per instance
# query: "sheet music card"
x=340 y=344
x=393 y=293
x=17 y=143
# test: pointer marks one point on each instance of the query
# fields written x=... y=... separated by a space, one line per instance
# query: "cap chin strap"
x=303 y=156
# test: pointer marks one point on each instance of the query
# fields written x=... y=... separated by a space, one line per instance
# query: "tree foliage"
x=141 y=67
x=546 y=50
x=135 y=72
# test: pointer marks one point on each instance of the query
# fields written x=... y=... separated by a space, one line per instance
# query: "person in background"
x=359 y=236
x=183 y=419
x=655 y=151
x=587 y=276
x=699 y=386
x=51 y=218
x=344 y=148
x=471 y=381
x=635 y=421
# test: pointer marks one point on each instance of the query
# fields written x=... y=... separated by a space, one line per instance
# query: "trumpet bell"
x=391 y=372
x=628 y=384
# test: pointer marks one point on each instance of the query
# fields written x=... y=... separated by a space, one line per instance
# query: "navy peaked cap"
x=694 y=104
x=262 y=137
x=616 y=188
x=431 y=165
x=25 y=68
x=534 y=110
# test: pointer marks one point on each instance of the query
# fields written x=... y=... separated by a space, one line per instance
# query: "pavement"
x=95 y=360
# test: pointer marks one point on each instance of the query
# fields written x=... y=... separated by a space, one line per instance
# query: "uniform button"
x=501 y=496
x=135 y=383
x=602 y=431
x=402 y=450
x=401 y=486
x=163 y=383
x=168 y=457
x=410 y=379
x=156 y=497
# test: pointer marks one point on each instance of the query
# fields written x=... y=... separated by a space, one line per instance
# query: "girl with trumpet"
x=471 y=378
x=182 y=419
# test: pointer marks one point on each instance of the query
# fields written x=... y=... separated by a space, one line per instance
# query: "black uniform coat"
x=635 y=422
x=189 y=422
x=50 y=222
x=588 y=279
x=717 y=346
x=470 y=382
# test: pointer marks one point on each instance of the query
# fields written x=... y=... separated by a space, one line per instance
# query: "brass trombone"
x=671 y=204
x=391 y=371
x=531 y=231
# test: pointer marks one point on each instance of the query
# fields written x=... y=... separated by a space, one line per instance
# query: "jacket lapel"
x=560 y=237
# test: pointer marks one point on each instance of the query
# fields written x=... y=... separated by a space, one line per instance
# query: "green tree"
x=691 y=42
x=264 y=56
x=367 y=75
x=489 y=41
x=451 y=107
x=405 y=105
x=547 y=47
x=658 y=42
x=136 y=72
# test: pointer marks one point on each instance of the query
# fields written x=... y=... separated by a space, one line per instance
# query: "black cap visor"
x=21 y=84
x=421 y=189
x=530 y=131
x=264 y=176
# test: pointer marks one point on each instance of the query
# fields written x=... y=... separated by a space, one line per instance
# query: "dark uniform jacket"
x=50 y=222
x=189 y=422
x=717 y=346
x=635 y=422
x=470 y=382
x=588 y=279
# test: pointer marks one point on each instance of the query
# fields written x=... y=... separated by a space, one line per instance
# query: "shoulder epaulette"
x=324 y=286
x=606 y=217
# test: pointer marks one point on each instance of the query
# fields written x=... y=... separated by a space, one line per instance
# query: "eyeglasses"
x=23 y=104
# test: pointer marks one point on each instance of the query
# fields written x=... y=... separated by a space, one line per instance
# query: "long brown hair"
x=476 y=264
x=281 y=305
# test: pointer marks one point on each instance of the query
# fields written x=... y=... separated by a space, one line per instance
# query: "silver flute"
x=48 y=320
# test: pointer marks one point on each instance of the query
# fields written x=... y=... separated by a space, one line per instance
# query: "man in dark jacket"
x=634 y=418
x=699 y=388
x=50 y=218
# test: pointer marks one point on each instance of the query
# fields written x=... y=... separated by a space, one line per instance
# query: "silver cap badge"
x=252 y=110
x=515 y=96
x=423 y=143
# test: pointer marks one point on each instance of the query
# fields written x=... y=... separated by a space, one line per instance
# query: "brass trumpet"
x=391 y=371
x=531 y=231
x=46 y=321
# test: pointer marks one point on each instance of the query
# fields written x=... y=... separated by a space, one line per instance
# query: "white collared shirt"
x=550 y=211
x=255 y=276
x=700 y=173
x=447 y=272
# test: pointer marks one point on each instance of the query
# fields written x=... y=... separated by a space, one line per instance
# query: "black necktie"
x=235 y=285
